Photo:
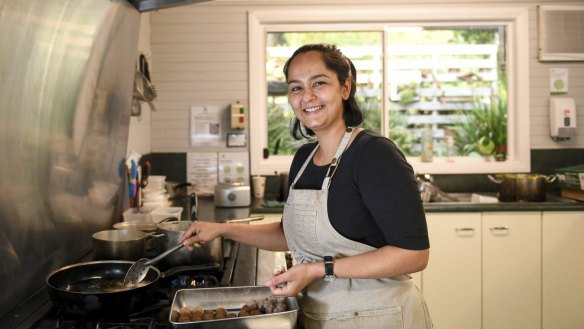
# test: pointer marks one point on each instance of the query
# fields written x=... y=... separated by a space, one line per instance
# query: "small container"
x=259 y=186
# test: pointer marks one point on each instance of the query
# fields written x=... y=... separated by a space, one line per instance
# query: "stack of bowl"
x=155 y=195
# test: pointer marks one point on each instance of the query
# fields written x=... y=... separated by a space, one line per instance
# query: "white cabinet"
x=484 y=270
x=563 y=269
x=511 y=270
x=451 y=283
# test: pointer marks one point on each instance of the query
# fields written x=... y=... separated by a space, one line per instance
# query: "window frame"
x=260 y=22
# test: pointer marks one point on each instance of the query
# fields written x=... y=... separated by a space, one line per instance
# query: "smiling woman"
x=432 y=73
x=315 y=97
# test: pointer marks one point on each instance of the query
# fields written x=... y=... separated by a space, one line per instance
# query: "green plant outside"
x=484 y=129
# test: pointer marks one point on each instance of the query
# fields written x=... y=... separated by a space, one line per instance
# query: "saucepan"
x=96 y=289
x=210 y=252
x=521 y=187
x=135 y=225
x=122 y=244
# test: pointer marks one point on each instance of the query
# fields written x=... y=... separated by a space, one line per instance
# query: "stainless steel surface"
x=119 y=244
x=429 y=192
x=232 y=195
x=140 y=226
x=210 y=252
x=149 y=5
x=232 y=299
x=267 y=263
x=521 y=187
x=67 y=72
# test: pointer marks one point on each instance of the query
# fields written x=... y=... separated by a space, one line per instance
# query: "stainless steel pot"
x=120 y=244
x=210 y=252
x=137 y=226
x=521 y=187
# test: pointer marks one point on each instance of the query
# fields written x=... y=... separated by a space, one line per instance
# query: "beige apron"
x=394 y=303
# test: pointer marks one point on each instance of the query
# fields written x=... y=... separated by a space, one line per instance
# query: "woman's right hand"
x=200 y=233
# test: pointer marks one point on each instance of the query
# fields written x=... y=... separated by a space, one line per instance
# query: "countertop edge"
x=473 y=207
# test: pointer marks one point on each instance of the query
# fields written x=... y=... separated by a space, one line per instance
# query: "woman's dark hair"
x=337 y=62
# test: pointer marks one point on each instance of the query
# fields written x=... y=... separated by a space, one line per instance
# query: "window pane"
x=450 y=80
x=363 y=48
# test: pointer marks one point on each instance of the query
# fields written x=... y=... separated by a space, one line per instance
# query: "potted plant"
x=483 y=130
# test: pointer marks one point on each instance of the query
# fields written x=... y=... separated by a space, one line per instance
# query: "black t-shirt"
x=373 y=196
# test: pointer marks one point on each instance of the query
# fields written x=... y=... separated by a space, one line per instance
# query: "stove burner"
x=195 y=281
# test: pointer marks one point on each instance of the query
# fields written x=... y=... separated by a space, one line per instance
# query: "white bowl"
x=149 y=206
x=155 y=197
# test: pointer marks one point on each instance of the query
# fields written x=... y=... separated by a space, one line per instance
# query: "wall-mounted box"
x=560 y=36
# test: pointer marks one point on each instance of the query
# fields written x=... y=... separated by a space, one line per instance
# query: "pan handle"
x=550 y=178
x=244 y=220
x=494 y=179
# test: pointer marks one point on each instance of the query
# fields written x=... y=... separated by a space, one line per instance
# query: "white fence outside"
x=444 y=80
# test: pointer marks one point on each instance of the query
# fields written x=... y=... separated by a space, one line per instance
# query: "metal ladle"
x=137 y=272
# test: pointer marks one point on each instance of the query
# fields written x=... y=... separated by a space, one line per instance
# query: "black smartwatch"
x=329 y=273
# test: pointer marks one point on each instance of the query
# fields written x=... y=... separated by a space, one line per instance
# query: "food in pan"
x=253 y=307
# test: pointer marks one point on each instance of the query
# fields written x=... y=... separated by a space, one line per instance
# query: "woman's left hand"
x=290 y=283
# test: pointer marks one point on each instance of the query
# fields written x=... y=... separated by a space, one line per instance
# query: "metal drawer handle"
x=465 y=231
x=499 y=230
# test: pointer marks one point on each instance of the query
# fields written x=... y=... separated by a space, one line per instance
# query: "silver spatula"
x=137 y=272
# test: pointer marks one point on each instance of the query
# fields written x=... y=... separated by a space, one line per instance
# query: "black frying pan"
x=96 y=289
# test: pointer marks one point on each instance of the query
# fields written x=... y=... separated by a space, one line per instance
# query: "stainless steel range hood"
x=149 y=5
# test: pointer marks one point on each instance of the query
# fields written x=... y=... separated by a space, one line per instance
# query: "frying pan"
x=96 y=289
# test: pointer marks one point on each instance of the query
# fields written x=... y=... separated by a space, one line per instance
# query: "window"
x=439 y=72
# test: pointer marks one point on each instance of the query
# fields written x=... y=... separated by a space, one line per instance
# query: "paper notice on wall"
x=202 y=171
x=558 y=81
x=234 y=167
x=205 y=125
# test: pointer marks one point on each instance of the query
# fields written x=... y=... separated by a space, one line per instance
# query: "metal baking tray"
x=232 y=299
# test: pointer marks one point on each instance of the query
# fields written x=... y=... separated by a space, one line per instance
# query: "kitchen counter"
x=552 y=203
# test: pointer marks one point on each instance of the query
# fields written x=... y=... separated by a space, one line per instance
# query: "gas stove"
x=239 y=269
x=154 y=314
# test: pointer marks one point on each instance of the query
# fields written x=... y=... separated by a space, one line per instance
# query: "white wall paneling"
x=200 y=57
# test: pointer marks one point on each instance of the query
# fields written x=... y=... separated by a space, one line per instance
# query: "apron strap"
x=334 y=163
x=304 y=166
x=337 y=159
